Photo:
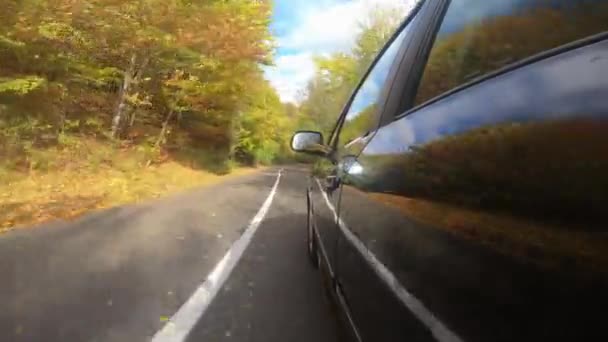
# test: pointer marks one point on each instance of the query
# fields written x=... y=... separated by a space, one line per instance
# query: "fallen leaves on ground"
x=78 y=188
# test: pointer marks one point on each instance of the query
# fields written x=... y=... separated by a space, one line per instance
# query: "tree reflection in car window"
x=481 y=36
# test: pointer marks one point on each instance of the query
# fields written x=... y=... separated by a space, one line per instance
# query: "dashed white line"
x=182 y=322
x=439 y=330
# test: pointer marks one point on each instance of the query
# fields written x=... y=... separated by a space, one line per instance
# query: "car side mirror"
x=309 y=142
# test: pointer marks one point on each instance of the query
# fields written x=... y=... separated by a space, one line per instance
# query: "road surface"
x=121 y=273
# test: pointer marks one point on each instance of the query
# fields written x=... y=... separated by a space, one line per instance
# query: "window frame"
x=410 y=68
x=334 y=136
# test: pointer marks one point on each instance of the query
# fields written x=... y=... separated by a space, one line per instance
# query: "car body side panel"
x=324 y=220
x=488 y=207
x=376 y=309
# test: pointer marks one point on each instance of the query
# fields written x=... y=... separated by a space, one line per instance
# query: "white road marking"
x=182 y=322
x=439 y=330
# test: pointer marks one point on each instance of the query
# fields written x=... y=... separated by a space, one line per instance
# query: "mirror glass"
x=351 y=165
x=305 y=141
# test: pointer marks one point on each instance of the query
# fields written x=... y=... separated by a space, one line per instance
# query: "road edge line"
x=181 y=323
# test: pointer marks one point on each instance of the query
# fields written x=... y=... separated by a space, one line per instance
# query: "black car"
x=473 y=207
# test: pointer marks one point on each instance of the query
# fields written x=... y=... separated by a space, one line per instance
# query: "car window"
x=362 y=116
x=480 y=36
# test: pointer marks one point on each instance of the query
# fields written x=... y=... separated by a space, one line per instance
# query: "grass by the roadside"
x=91 y=176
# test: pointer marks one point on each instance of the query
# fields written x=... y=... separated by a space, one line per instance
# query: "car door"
x=478 y=212
x=359 y=124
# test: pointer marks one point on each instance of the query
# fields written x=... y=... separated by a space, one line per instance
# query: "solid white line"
x=439 y=330
x=182 y=322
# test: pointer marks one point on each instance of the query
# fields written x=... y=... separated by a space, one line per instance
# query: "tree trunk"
x=126 y=83
x=132 y=115
x=163 y=130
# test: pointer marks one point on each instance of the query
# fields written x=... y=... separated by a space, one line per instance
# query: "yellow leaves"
x=138 y=100
x=6 y=227
x=209 y=63
x=54 y=30
x=83 y=185
x=62 y=33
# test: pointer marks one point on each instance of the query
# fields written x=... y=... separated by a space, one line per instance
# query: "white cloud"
x=327 y=29
x=290 y=74
x=320 y=30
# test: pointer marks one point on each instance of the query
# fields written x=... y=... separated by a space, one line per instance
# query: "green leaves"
x=95 y=76
x=56 y=31
x=21 y=86
x=337 y=75
x=62 y=33
x=8 y=43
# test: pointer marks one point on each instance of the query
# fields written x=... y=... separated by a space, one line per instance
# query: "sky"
x=305 y=28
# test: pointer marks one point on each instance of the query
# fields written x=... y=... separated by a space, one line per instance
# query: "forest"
x=110 y=101
x=156 y=74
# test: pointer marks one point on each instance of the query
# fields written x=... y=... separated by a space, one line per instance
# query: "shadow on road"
x=98 y=279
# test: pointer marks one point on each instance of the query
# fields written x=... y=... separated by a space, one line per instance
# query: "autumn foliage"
x=169 y=76
x=104 y=102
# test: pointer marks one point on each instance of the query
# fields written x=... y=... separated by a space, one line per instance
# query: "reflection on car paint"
x=496 y=202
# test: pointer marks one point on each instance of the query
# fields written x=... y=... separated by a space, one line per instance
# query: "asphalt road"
x=118 y=274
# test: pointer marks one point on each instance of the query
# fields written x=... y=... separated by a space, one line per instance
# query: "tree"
x=337 y=75
x=166 y=73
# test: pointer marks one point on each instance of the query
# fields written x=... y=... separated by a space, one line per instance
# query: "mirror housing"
x=310 y=142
